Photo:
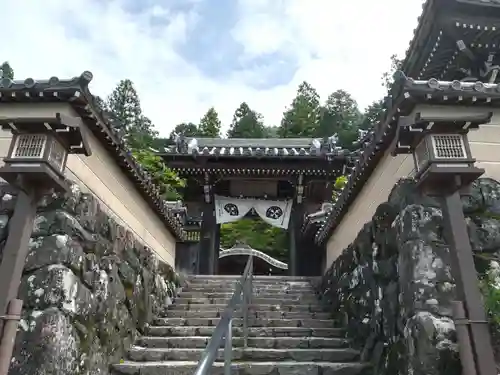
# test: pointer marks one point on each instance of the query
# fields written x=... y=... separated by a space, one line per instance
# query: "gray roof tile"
x=266 y=147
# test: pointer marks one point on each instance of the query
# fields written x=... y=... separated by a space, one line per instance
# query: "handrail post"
x=244 y=306
x=251 y=280
x=247 y=298
x=242 y=295
x=228 y=348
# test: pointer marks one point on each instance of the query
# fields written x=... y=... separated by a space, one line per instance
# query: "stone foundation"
x=393 y=284
x=89 y=288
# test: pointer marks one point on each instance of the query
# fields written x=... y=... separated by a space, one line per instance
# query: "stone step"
x=274 y=307
x=227 y=295
x=273 y=288
x=257 y=290
x=176 y=331
x=256 y=314
x=197 y=342
x=284 y=285
x=263 y=278
x=239 y=368
x=238 y=322
x=289 y=284
x=258 y=300
x=141 y=354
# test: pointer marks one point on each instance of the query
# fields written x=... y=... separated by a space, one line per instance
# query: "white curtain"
x=228 y=209
x=276 y=213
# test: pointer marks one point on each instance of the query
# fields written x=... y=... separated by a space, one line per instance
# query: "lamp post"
x=35 y=164
x=444 y=167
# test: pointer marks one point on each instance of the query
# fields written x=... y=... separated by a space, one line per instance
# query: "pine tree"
x=6 y=70
x=341 y=116
x=210 y=124
x=246 y=124
x=125 y=109
x=300 y=120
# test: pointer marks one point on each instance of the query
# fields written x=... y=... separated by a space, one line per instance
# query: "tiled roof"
x=409 y=92
x=75 y=92
x=317 y=218
x=452 y=91
x=270 y=147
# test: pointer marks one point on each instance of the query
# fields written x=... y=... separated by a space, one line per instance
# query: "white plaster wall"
x=485 y=147
x=100 y=175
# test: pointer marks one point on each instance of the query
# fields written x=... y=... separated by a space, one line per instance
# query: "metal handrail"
x=243 y=293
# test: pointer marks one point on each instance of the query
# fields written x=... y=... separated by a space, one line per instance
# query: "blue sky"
x=187 y=55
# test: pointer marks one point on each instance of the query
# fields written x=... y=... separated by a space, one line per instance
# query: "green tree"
x=338 y=186
x=100 y=103
x=374 y=111
x=301 y=119
x=187 y=129
x=387 y=79
x=372 y=114
x=246 y=124
x=7 y=71
x=339 y=115
x=271 y=131
x=160 y=143
x=167 y=181
x=210 y=124
x=125 y=109
x=258 y=235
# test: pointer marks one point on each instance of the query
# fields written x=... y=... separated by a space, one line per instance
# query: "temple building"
x=282 y=181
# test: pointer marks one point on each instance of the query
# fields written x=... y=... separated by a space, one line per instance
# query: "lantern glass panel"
x=29 y=146
x=57 y=155
x=448 y=146
x=422 y=155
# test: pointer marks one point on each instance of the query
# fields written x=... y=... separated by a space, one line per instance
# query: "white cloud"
x=337 y=44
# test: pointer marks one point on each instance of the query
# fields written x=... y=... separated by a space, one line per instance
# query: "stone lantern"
x=39 y=150
x=440 y=150
x=35 y=164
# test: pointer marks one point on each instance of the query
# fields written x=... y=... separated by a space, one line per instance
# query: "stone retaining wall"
x=393 y=284
x=89 y=288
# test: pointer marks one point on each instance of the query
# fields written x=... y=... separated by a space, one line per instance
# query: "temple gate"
x=282 y=181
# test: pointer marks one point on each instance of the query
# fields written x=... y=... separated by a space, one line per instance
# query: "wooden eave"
x=241 y=166
x=433 y=52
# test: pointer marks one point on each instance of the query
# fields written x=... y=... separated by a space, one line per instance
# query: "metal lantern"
x=39 y=150
x=440 y=149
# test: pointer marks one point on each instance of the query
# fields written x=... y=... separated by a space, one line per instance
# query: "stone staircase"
x=289 y=332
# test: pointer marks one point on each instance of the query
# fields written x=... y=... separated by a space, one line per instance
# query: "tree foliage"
x=209 y=124
x=7 y=71
x=125 y=110
x=372 y=114
x=340 y=115
x=387 y=79
x=187 y=129
x=257 y=234
x=167 y=180
x=338 y=186
x=301 y=119
x=246 y=123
